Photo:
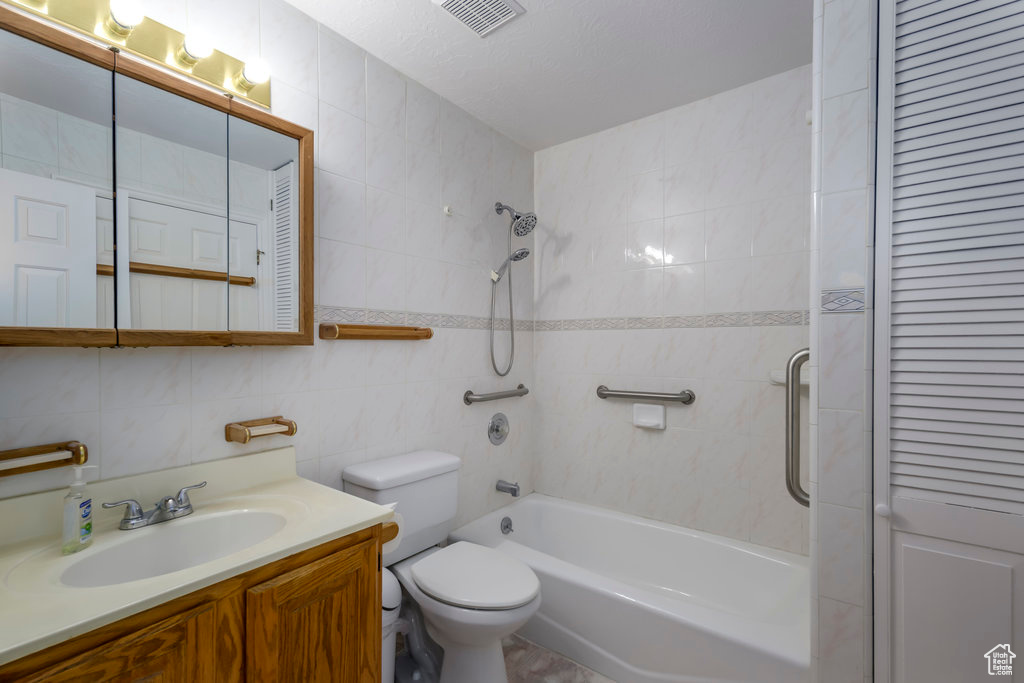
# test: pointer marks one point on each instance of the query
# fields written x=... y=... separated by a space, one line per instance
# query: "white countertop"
x=37 y=610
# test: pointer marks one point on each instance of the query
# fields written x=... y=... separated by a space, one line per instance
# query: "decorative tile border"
x=842 y=300
x=385 y=317
x=643 y=323
x=728 y=320
x=677 y=321
x=333 y=314
x=779 y=318
x=737 y=319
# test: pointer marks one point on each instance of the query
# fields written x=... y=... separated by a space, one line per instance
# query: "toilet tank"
x=423 y=485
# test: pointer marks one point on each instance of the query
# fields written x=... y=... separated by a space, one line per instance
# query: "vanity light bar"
x=123 y=24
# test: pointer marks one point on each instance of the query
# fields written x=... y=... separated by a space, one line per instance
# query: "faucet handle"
x=132 y=512
x=183 y=500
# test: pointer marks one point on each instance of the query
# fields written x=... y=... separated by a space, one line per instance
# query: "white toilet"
x=471 y=596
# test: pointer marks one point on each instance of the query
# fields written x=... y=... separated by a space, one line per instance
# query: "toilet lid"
x=470 y=575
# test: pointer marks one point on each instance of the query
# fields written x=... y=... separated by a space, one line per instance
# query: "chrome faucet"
x=166 y=509
x=506 y=487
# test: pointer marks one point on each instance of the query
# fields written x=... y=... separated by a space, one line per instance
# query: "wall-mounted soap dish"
x=243 y=432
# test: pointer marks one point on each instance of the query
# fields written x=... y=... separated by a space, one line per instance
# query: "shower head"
x=517 y=255
x=522 y=223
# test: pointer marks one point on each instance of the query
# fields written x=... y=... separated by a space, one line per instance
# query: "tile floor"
x=528 y=662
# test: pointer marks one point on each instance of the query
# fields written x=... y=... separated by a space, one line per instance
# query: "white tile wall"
x=844 y=36
x=698 y=210
x=391 y=154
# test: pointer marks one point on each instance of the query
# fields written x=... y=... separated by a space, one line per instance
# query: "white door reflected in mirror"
x=47 y=252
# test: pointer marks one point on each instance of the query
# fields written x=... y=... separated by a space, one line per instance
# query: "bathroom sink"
x=172 y=546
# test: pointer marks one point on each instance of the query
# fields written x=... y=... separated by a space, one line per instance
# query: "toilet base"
x=483 y=664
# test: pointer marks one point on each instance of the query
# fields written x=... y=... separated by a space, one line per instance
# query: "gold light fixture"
x=255 y=72
x=123 y=17
x=124 y=23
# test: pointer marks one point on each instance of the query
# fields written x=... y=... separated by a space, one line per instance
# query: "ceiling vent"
x=483 y=16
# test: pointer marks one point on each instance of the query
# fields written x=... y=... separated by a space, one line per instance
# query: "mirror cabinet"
x=140 y=209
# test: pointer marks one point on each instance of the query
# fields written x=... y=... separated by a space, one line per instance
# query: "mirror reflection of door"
x=56 y=213
x=264 y=230
x=205 y=203
x=172 y=187
x=189 y=239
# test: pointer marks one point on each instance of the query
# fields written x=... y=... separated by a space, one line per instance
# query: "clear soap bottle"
x=77 y=532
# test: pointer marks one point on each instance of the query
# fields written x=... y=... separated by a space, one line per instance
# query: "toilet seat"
x=475 y=577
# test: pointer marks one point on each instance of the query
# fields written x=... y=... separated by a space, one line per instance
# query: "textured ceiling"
x=568 y=68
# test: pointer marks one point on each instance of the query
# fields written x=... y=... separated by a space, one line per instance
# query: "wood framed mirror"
x=138 y=208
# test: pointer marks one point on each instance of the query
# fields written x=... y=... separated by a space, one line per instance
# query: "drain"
x=506 y=525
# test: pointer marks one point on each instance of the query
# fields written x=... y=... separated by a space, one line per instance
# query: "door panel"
x=48 y=247
x=952 y=602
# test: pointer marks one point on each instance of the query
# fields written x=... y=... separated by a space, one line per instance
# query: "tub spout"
x=506 y=487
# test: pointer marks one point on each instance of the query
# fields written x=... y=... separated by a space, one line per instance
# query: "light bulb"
x=125 y=15
x=255 y=72
x=194 y=47
x=198 y=46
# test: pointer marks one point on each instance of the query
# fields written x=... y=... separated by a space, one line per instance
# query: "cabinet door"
x=176 y=650
x=318 y=623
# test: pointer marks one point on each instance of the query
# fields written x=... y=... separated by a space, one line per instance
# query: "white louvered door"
x=949 y=371
x=286 y=249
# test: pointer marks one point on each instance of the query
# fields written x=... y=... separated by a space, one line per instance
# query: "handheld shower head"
x=517 y=255
x=522 y=223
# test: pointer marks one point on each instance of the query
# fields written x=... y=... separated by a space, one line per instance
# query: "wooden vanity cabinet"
x=315 y=623
x=175 y=649
x=313 y=616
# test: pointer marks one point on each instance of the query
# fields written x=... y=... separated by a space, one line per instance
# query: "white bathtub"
x=645 y=602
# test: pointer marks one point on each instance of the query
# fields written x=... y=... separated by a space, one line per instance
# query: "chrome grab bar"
x=796 y=361
x=470 y=398
x=686 y=397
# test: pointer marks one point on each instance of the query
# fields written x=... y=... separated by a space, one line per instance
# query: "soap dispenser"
x=77 y=514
